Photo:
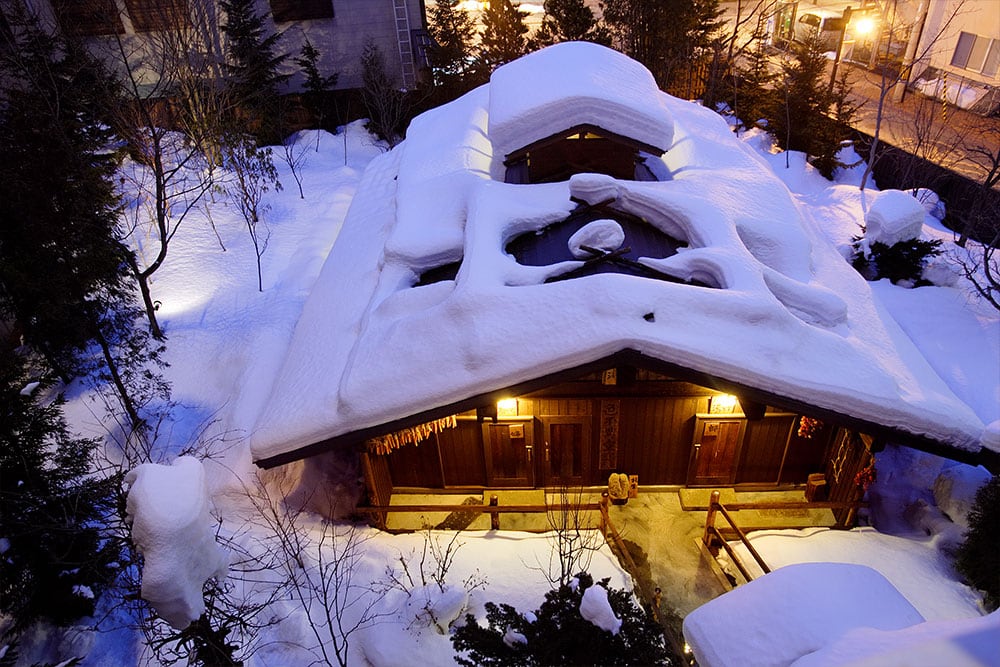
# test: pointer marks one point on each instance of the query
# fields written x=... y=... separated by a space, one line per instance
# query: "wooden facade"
x=624 y=420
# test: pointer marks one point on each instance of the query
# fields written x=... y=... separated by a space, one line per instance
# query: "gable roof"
x=790 y=319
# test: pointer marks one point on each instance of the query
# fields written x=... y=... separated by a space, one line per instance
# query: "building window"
x=301 y=10
x=150 y=15
x=89 y=17
x=977 y=54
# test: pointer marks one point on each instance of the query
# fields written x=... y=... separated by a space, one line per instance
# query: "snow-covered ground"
x=226 y=342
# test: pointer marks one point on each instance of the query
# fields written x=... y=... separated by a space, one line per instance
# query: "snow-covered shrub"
x=978 y=559
x=576 y=625
x=902 y=263
x=431 y=600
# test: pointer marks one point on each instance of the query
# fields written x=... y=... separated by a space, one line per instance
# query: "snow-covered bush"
x=168 y=507
x=902 y=263
x=978 y=559
x=576 y=625
x=431 y=600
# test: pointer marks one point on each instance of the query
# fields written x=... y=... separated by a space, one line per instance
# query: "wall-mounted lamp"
x=722 y=404
x=507 y=407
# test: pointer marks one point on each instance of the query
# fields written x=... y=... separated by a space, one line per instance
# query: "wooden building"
x=514 y=303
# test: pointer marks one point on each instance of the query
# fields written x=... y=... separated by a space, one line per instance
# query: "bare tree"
x=293 y=152
x=253 y=176
x=170 y=173
x=889 y=80
x=573 y=535
x=321 y=574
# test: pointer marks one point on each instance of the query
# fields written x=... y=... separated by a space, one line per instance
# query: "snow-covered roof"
x=789 y=317
x=578 y=83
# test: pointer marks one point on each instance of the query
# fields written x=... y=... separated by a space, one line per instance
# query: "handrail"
x=712 y=533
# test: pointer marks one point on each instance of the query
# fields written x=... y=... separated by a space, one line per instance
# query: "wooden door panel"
x=566 y=450
x=716 y=451
x=508 y=455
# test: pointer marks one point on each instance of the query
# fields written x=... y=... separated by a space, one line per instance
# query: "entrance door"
x=716 y=451
x=566 y=453
x=509 y=456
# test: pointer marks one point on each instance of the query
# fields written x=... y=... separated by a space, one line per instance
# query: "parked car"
x=827 y=24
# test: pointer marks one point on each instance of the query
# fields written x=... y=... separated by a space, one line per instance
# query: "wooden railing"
x=494 y=509
x=712 y=536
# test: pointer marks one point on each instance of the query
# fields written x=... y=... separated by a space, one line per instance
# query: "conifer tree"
x=504 y=34
x=55 y=561
x=316 y=84
x=253 y=68
x=451 y=55
x=667 y=36
x=64 y=271
x=569 y=21
x=804 y=114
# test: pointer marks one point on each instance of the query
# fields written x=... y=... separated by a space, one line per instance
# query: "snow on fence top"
x=575 y=83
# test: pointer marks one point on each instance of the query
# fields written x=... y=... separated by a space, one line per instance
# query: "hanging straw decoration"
x=384 y=444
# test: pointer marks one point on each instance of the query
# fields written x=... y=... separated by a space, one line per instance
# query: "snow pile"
x=961 y=94
x=914 y=564
x=604 y=235
x=168 y=507
x=966 y=643
x=955 y=490
x=894 y=216
x=793 y=611
x=595 y=608
x=574 y=83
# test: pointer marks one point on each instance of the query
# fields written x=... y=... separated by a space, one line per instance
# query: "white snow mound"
x=955 y=490
x=894 y=216
x=168 y=507
x=594 y=607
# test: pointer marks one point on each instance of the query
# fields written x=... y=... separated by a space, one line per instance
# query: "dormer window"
x=583 y=149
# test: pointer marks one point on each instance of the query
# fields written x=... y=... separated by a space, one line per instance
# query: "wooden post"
x=713 y=506
x=604 y=513
x=494 y=516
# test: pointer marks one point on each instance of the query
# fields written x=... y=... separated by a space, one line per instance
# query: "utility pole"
x=840 y=47
x=911 y=51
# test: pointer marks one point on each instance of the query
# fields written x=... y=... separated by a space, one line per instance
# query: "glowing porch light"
x=864 y=26
x=507 y=407
x=723 y=403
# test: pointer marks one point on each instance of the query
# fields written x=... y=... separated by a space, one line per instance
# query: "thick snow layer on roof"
x=794 y=611
x=790 y=316
x=570 y=84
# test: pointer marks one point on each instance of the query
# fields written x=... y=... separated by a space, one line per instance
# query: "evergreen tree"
x=559 y=635
x=58 y=206
x=569 y=21
x=316 y=85
x=978 y=559
x=804 y=114
x=55 y=561
x=669 y=37
x=752 y=82
x=64 y=271
x=503 y=37
x=451 y=55
x=253 y=66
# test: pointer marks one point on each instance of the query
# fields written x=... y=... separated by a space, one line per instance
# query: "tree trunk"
x=116 y=378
